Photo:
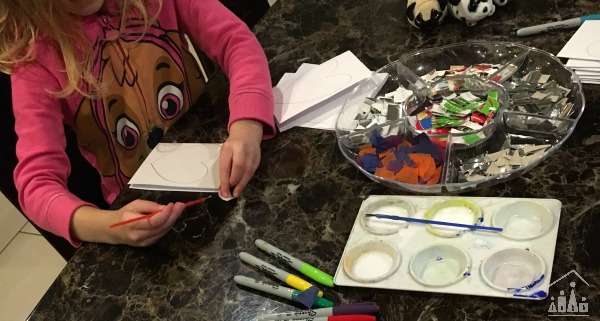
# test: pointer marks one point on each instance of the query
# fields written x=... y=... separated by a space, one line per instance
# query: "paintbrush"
x=188 y=204
x=417 y=220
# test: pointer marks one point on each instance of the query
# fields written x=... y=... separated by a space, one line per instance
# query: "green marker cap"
x=317 y=275
x=319 y=302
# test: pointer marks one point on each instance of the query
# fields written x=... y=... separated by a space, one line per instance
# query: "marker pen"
x=279 y=291
x=305 y=268
x=349 y=317
x=344 y=309
x=558 y=25
x=288 y=278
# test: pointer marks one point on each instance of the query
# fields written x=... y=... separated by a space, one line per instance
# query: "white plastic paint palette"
x=392 y=254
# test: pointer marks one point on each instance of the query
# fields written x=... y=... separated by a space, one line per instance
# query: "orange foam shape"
x=366 y=149
x=436 y=176
x=425 y=165
x=408 y=175
x=385 y=153
x=388 y=159
x=383 y=172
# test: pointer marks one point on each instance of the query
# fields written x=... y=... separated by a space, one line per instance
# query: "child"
x=119 y=73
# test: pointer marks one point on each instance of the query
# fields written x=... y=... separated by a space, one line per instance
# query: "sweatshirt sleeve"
x=224 y=38
x=43 y=168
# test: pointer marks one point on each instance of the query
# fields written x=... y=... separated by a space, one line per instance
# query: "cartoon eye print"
x=170 y=100
x=127 y=132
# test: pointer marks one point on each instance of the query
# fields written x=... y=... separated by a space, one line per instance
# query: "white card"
x=324 y=116
x=296 y=96
x=179 y=167
x=585 y=43
x=588 y=74
x=583 y=64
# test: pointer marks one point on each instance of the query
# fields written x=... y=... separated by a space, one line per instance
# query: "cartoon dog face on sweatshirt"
x=147 y=85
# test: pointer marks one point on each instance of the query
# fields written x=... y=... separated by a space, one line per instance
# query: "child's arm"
x=228 y=41
x=43 y=168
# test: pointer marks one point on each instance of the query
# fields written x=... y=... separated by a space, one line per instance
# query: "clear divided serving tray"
x=540 y=101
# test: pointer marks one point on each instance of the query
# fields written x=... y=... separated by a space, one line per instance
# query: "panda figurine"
x=501 y=3
x=426 y=14
x=472 y=11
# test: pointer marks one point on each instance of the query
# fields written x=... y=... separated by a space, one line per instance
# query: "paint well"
x=520 y=226
x=523 y=220
x=513 y=275
x=454 y=214
x=439 y=265
x=377 y=224
x=371 y=265
x=440 y=271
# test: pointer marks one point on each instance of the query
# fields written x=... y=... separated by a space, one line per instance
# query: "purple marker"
x=345 y=309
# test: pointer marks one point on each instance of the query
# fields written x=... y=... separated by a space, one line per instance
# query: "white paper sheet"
x=587 y=74
x=180 y=167
x=324 y=116
x=296 y=96
x=583 y=64
x=585 y=43
x=590 y=81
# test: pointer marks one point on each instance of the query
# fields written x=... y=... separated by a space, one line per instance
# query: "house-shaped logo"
x=568 y=306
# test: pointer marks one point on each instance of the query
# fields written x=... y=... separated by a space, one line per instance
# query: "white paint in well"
x=454 y=214
x=371 y=265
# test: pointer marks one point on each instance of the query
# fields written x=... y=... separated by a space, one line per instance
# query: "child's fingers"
x=143 y=206
x=246 y=176
x=152 y=222
x=239 y=167
x=225 y=171
x=150 y=230
x=250 y=165
x=166 y=217
x=178 y=209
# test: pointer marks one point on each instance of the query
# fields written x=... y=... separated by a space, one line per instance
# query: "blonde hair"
x=23 y=22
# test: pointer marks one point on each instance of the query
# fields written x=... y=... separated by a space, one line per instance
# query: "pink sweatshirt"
x=149 y=85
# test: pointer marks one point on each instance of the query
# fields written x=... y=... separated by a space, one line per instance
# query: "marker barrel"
x=273 y=289
x=364 y=308
x=288 y=278
x=558 y=25
x=279 y=291
x=279 y=254
x=305 y=268
x=350 y=317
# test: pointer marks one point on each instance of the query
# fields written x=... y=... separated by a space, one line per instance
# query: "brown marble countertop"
x=305 y=195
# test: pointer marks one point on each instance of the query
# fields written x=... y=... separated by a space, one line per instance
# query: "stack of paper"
x=180 y=167
x=583 y=51
x=314 y=95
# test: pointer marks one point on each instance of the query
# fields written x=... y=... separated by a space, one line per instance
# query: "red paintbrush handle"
x=139 y=218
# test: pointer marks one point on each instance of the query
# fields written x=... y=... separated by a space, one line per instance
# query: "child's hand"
x=92 y=225
x=146 y=232
x=240 y=156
